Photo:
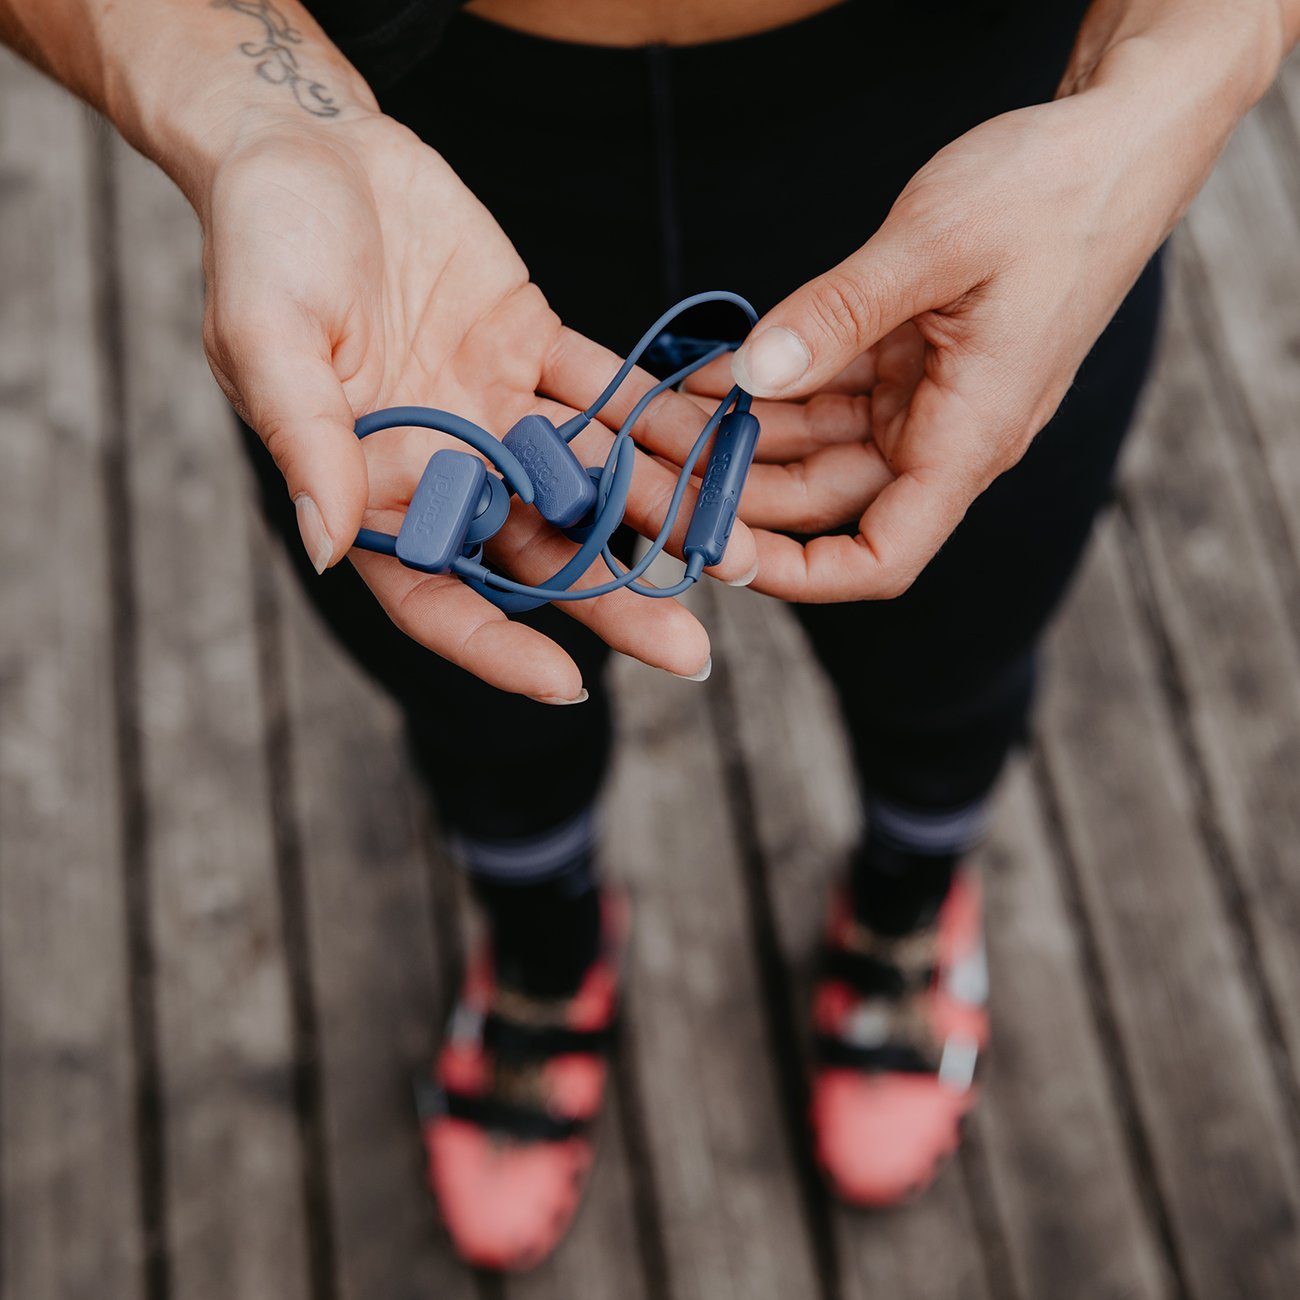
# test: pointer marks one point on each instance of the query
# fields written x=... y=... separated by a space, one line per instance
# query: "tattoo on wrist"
x=277 y=61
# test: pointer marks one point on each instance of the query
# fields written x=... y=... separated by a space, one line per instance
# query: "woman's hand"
x=960 y=324
x=349 y=269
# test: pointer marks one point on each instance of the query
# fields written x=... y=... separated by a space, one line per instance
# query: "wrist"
x=1222 y=52
x=1163 y=85
x=191 y=100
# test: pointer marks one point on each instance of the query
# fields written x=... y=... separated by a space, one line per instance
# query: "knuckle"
x=894 y=583
x=844 y=308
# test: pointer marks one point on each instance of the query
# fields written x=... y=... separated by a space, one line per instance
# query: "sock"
x=544 y=935
x=901 y=872
x=542 y=905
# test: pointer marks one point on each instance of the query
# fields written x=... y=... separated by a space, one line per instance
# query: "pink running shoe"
x=899 y=1023
x=508 y=1110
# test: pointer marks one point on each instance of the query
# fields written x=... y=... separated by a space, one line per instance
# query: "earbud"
x=563 y=491
x=437 y=520
x=458 y=505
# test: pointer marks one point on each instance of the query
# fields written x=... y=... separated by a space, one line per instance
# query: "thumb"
x=807 y=339
x=290 y=395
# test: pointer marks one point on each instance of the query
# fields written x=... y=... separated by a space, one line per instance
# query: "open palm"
x=352 y=271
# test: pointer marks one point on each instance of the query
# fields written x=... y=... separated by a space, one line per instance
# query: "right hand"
x=349 y=269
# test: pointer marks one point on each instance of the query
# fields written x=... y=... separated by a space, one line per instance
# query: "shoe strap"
x=495 y=1114
x=516 y=1042
x=883 y=1058
x=875 y=976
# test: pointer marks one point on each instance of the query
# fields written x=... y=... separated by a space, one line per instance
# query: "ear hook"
x=427 y=417
x=456 y=505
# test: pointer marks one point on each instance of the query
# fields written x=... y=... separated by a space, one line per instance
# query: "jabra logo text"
x=711 y=489
x=433 y=505
x=539 y=469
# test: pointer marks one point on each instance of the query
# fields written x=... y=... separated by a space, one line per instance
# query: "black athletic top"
x=384 y=39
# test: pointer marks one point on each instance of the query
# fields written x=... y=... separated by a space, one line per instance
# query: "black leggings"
x=629 y=177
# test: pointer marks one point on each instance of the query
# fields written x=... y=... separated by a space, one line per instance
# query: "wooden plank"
x=1075 y=1222
x=1215 y=583
x=733 y=1223
x=375 y=975
x=67 y=1160
x=1245 y=227
x=373 y=885
x=235 y=1213
x=807 y=819
x=1220 y=1147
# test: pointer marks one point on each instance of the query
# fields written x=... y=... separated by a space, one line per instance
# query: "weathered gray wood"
x=732 y=1219
x=1185 y=1018
x=1246 y=230
x=67 y=1158
x=806 y=801
x=375 y=977
x=1215 y=584
x=1075 y=1224
x=235 y=1213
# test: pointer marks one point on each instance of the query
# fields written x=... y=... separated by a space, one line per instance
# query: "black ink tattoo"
x=276 y=60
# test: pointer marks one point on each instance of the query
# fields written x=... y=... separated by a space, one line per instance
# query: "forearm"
x=185 y=80
x=1162 y=84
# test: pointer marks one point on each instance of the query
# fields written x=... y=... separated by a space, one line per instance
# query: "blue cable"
x=612 y=486
x=469 y=569
x=572 y=427
x=557 y=587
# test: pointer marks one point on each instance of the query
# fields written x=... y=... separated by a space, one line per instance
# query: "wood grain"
x=68 y=1164
x=235 y=1211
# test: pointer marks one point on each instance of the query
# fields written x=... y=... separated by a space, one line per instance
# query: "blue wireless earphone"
x=459 y=505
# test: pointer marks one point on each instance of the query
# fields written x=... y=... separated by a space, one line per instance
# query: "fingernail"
x=771 y=361
x=315 y=536
x=746 y=579
x=701 y=676
x=559 y=699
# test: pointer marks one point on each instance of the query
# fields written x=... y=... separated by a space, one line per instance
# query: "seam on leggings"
x=659 y=68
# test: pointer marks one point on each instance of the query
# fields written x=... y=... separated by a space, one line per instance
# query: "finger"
x=456 y=623
x=900 y=532
x=397 y=462
x=716 y=379
x=659 y=632
x=793 y=430
x=277 y=372
x=653 y=485
x=819 y=330
x=950 y=462
x=662 y=633
x=826 y=489
x=577 y=369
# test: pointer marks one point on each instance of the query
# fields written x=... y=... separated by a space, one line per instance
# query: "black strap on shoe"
x=882 y=1058
x=872 y=976
x=527 y=1123
x=516 y=1042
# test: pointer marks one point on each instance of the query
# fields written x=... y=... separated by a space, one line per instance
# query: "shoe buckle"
x=968 y=977
x=957 y=1063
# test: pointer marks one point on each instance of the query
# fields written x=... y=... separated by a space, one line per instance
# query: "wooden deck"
x=227 y=930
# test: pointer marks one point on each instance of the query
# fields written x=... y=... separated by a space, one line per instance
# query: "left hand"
x=940 y=349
